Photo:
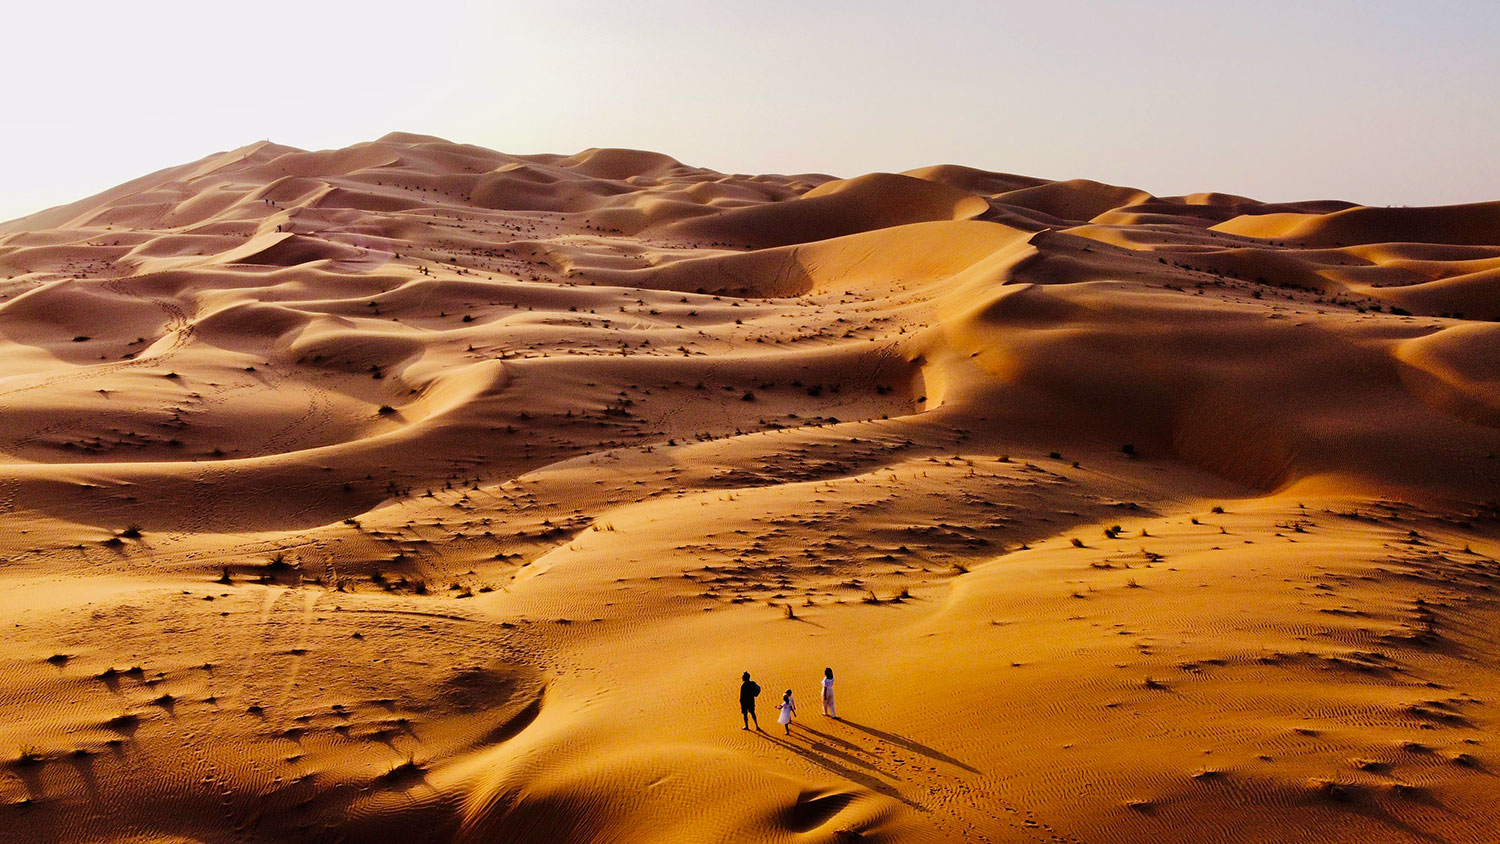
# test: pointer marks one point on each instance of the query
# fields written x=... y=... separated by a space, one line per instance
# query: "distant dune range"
x=419 y=492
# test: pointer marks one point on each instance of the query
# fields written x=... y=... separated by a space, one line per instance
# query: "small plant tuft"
x=408 y=769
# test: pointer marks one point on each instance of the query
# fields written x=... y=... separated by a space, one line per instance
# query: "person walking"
x=828 y=694
x=788 y=709
x=749 y=690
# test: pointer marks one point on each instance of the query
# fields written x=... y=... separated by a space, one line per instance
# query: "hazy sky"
x=1378 y=102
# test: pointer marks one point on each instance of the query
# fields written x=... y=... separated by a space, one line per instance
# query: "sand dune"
x=833 y=209
x=1472 y=225
x=416 y=491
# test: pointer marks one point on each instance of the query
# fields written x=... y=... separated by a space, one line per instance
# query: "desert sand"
x=419 y=492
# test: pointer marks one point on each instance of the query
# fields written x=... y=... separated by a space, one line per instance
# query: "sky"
x=1367 y=100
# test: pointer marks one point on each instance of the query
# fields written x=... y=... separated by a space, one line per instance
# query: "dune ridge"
x=417 y=491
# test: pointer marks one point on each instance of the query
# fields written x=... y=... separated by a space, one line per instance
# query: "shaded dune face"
x=416 y=491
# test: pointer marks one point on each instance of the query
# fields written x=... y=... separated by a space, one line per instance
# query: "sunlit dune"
x=418 y=492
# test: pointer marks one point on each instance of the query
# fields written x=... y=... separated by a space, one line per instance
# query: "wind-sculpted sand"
x=418 y=492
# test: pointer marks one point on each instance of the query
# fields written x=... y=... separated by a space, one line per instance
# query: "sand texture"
x=417 y=492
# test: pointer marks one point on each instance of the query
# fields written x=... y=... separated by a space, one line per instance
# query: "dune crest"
x=416 y=491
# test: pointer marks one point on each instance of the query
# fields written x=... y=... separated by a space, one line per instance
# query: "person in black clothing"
x=748 y=690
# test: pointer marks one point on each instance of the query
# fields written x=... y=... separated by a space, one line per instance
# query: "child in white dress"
x=788 y=709
x=828 y=694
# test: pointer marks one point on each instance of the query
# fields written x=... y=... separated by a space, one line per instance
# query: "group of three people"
x=750 y=690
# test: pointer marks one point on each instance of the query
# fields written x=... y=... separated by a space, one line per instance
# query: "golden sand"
x=414 y=491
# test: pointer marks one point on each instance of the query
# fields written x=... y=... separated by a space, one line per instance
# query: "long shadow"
x=913 y=746
x=827 y=747
x=30 y=775
x=37 y=826
x=84 y=765
x=1379 y=814
x=876 y=785
x=831 y=738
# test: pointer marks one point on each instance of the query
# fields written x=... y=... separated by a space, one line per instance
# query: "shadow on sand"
x=812 y=755
x=913 y=746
